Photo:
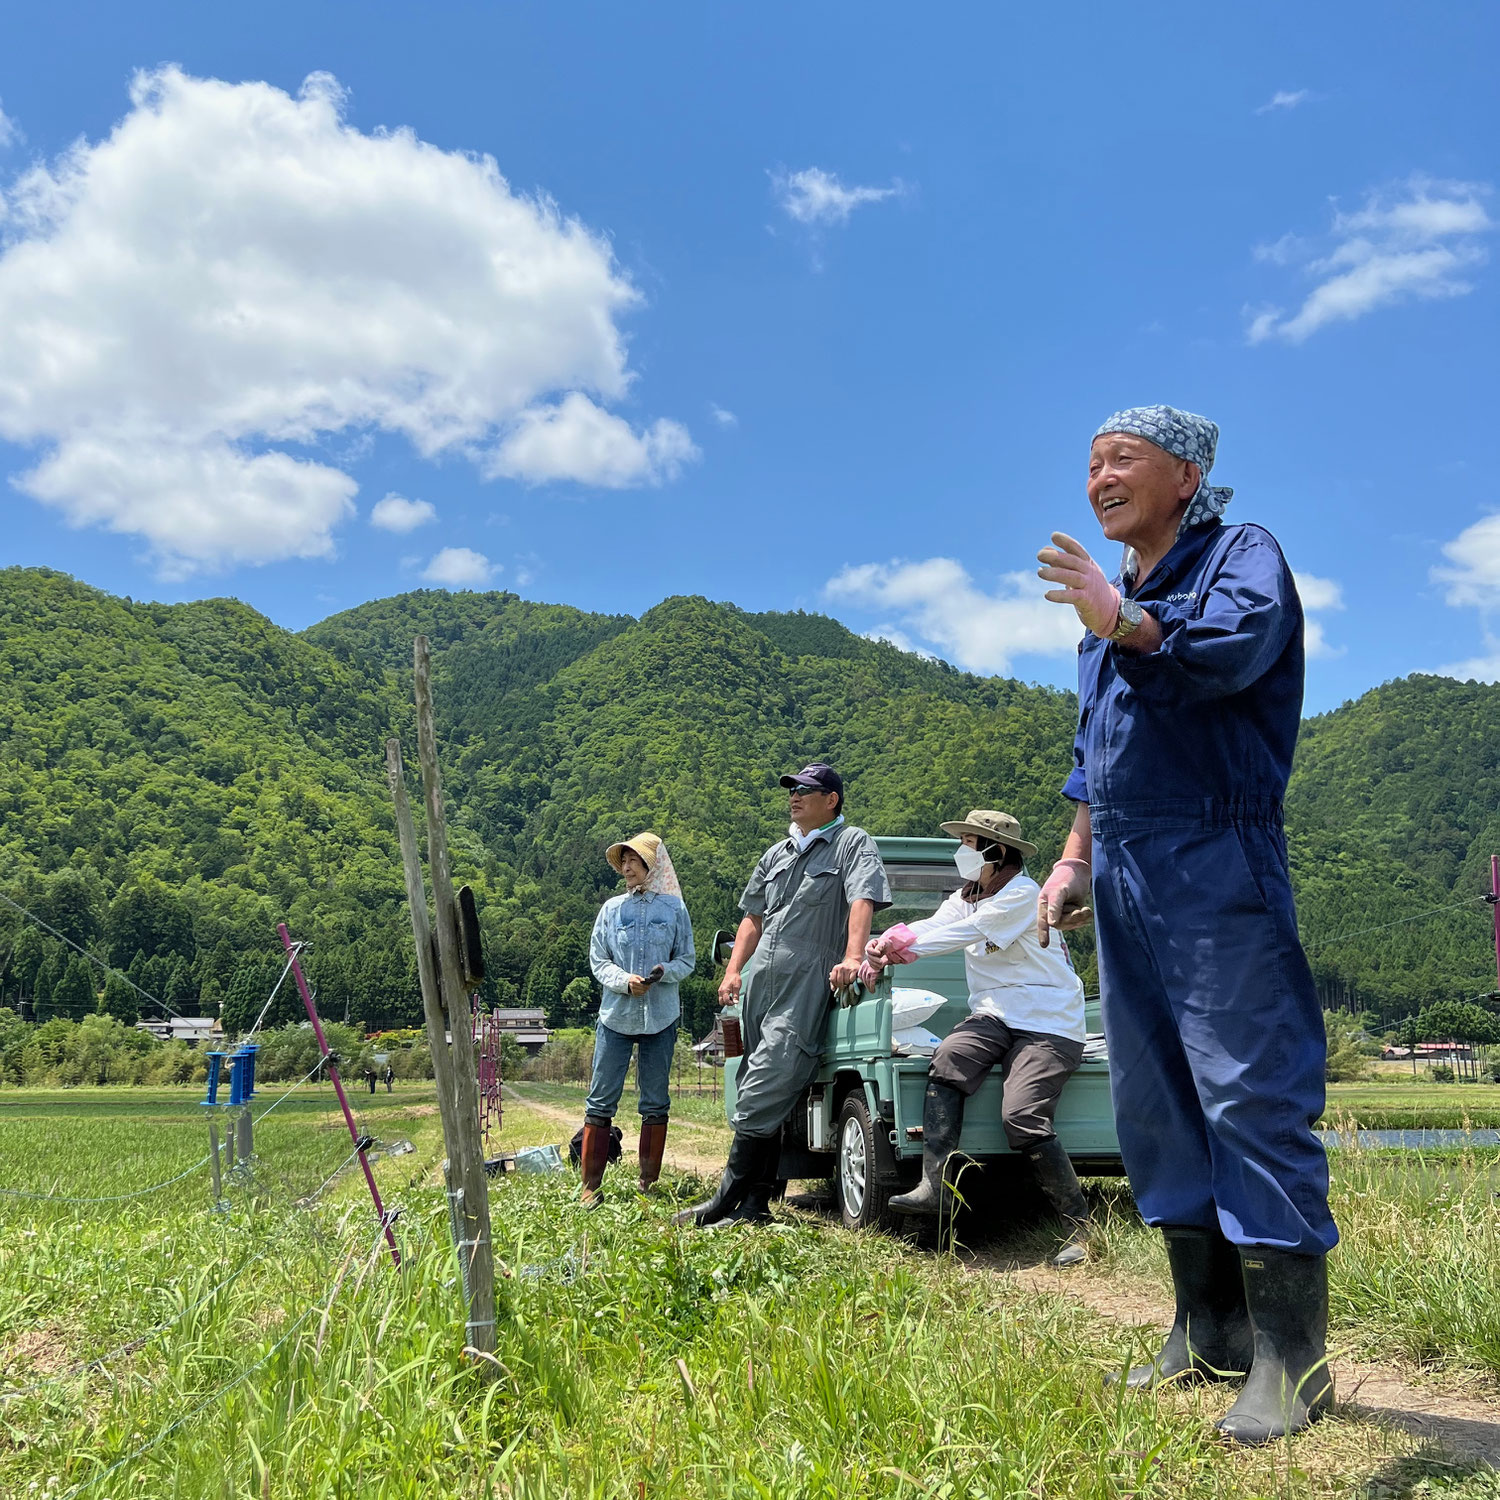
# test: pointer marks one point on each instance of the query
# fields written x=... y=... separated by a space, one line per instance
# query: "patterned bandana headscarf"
x=1183 y=436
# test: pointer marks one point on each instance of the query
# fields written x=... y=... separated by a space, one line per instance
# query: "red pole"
x=338 y=1087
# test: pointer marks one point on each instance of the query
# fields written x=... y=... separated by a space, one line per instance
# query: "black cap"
x=816 y=778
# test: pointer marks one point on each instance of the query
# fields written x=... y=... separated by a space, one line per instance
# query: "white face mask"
x=970 y=862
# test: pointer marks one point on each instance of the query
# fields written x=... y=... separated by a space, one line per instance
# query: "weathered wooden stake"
x=445 y=1003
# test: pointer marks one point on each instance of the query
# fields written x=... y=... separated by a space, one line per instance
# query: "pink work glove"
x=1064 y=901
x=869 y=973
x=1084 y=585
x=893 y=946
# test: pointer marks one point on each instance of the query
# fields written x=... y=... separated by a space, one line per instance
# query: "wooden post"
x=421 y=931
x=467 y=1185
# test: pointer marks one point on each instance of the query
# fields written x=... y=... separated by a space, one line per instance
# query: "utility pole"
x=1494 y=899
x=445 y=1005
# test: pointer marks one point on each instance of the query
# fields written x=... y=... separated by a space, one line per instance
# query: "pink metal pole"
x=338 y=1087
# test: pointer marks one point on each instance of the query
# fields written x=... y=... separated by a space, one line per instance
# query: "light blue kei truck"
x=860 y=1121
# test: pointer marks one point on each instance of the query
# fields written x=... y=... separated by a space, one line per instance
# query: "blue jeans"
x=654 y=1072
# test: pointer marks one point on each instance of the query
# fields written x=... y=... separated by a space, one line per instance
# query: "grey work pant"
x=1033 y=1064
x=775 y=1069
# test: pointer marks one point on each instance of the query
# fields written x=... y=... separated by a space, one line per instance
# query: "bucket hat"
x=984 y=823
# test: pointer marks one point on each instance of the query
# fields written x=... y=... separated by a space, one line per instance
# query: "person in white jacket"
x=1025 y=1015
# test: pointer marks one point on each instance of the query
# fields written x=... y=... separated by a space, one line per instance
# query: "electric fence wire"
x=98 y=963
x=140 y=1340
x=239 y=1380
x=1434 y=911
x=155 y=1186
x=133 y=1345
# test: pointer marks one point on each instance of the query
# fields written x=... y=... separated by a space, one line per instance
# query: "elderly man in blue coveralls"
x=1189 y=697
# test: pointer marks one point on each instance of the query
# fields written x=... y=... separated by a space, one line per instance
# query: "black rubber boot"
x=1049 y=1160
x=942 y=1124
x=1290 y=1382
x=1211 y=1337
x=755 y=1206
x=751 y=1160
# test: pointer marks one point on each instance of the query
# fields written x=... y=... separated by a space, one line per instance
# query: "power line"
x=1343 y=937
x=99 y=963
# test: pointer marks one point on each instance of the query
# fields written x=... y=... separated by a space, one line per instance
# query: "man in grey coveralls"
x=807 y=908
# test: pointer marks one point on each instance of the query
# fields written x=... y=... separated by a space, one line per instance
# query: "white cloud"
x=234 y=274
x=195 y=503
x=1420 y=242
x=575 y=439
x=938 y=601
x=10 y=132
x=722 y=417
x=459 y=568
x=1471 y=575
x=813 y=196
x=397 y=513
x=1471 y=579
x=1285 y=99
x=1318 y=595
x=898 y=638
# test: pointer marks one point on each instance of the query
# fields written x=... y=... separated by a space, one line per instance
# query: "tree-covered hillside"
x=176 y=779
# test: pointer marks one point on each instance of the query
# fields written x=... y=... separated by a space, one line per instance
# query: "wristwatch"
x=1131 y=615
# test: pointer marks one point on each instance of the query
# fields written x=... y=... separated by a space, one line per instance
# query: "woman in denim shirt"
x=642 y=948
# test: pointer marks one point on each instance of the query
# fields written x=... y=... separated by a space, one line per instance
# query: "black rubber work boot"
x=1211 y=1337
x=755 y=1206
x=752 y=1158
x=1290 y=1382
x=942 y=1124
x=1049 y=1160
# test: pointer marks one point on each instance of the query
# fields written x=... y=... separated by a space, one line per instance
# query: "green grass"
x=634 y=1359
x=1404 y=1105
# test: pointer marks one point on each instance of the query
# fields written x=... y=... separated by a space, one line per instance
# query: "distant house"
x=710 y=1049
x=528 y=1027
x=1430 y=1052
x=194 y=1030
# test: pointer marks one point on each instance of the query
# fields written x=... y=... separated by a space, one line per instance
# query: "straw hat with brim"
x=985 y=824
x=644 y=844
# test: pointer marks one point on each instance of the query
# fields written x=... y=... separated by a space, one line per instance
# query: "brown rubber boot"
x=593 y=1160
x=653 y=1143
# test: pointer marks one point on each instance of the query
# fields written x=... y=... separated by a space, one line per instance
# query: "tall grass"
x=636 y=1359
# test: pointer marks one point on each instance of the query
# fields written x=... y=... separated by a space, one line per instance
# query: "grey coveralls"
x=804 y=900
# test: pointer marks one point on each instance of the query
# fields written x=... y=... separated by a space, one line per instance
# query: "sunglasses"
x=806 y=791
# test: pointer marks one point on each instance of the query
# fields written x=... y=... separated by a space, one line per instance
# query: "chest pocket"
x=820 y=885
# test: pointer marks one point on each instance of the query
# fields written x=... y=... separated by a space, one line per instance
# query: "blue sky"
x=792 y=306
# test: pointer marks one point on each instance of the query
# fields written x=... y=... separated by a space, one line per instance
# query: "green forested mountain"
x=176 y=779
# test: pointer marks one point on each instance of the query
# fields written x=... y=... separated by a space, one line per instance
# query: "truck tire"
x=861 y=1198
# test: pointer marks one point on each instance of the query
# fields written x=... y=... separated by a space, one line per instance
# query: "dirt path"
x=700 y=1153
x=1466 y=1424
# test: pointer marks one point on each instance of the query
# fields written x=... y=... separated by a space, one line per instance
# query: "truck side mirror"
x=723 y=946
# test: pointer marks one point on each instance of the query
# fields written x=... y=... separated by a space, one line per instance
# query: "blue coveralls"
x=1215 y=1034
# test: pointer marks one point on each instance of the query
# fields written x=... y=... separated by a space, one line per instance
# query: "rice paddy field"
x=156 y=1344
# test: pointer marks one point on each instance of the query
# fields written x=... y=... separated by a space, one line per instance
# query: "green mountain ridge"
x=178 y=778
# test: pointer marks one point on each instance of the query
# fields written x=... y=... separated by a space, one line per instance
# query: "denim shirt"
x=1206 y=724
x=632 y=934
